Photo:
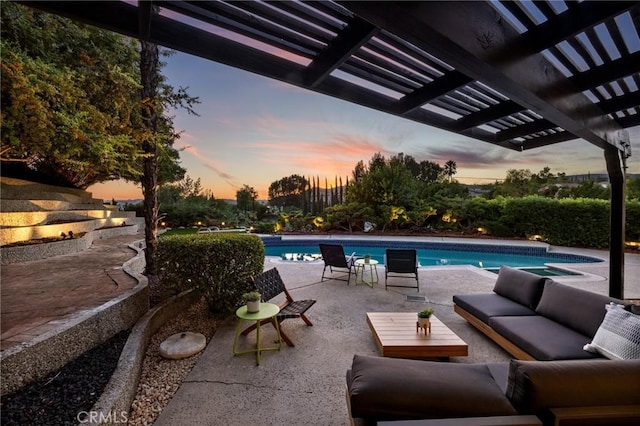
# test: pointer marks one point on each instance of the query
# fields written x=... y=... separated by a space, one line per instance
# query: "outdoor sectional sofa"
x=554 y=380
x=577 y=392
x=536 y=318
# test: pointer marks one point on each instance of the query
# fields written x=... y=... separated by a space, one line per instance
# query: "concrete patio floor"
x=299 y=385
x=305 y=384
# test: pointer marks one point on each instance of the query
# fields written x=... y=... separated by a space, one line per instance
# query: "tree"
x=288 y=191
x=167 y=195
x=89 y=110
x=185 y=204
x=151 y=109
x=66 y=111
x=71 y=114
x=429 y=172
x=171 y=193
x=246 y=198
x=516 y=184
x=189 y=187
x=450 y=169
x=544 y=176
x=587 y=189
x=383 y=182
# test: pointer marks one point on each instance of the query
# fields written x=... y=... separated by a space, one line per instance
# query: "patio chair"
x=334 y=257
x=269 y=284
x=401 y=261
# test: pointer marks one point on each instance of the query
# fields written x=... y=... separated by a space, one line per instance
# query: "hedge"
x=218 y=265
x=564 y=222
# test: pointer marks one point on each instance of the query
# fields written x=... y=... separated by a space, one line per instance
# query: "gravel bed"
x=62 y=397
x=160 y=378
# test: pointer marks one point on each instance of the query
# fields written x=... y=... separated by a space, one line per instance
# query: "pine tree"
x=326 y=193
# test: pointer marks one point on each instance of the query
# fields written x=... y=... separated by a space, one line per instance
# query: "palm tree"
x=450 y=169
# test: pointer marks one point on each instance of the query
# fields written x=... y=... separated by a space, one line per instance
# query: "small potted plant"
x=252 y=299
x=423 y=319
x=367 y=258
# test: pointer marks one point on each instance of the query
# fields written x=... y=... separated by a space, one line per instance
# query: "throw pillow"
x=522 y=287
x=618 y=336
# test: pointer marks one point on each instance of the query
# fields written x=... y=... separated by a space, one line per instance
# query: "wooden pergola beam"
x=489 y=114
x=357 y=33
x=613 y=70
x=472 y=37
x=573 y=21
x=441 y=86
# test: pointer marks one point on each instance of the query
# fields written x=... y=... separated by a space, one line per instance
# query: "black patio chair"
x=403 y=262
x=334 y=257
x=269 y=284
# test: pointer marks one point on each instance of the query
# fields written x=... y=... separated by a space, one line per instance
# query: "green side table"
x=268 y=311
x=361 y=266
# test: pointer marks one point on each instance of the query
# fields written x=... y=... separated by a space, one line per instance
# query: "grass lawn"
x=183 y=231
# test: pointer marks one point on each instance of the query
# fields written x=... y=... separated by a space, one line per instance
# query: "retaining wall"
x=115 y=402
x=31 y=252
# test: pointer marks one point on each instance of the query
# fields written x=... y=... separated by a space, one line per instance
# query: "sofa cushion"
x=618 y=336
x=578 y=309
x=500 y=373
x=520 y=286
x=542 y=338
x=485 y=306
x=535 y=386
x=403 y=389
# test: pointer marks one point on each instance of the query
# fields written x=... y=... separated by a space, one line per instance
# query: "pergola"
x=520 y=76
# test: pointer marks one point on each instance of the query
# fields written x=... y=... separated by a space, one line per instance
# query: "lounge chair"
x=334 y=257
x=269 y=284
x=403 y=262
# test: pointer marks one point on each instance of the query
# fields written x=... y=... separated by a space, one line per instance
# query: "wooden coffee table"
x=396 y=336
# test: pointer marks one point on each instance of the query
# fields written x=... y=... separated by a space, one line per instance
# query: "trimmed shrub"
x=264 y=227
x=633 y=220
x=217 y=265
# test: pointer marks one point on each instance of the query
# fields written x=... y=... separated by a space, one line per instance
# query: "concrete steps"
x=25 y=233
x=37 y=205
x=18 y=189
x=31 y=211
x=17 y=219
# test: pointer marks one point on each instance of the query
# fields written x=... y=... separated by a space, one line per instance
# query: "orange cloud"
x=337 y=155
x=207 y=162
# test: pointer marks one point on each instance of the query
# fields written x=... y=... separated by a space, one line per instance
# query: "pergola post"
x=617 y=223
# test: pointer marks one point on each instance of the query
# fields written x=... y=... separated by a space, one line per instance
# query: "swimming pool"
x=430 y=253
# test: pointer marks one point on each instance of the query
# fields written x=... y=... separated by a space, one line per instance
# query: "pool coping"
x=453 y=240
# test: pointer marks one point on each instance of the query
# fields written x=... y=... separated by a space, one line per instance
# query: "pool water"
x=483 y=256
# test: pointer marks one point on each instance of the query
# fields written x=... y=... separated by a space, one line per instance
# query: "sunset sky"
x=253 y=130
